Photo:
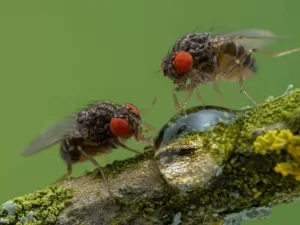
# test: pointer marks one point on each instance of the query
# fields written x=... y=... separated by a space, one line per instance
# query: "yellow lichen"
x=256 y=193
x=220 y=222
x=288 y=169
x=278 y=141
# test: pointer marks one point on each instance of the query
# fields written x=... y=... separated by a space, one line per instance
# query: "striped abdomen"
x=228 y=69
x=70 y=148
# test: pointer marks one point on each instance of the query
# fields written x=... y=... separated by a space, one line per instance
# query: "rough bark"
x=259 y=157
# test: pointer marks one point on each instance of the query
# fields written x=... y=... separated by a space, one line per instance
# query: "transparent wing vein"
x=61 y=130
x=252 y=38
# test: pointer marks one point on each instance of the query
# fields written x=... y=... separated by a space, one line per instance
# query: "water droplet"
x=197 y=119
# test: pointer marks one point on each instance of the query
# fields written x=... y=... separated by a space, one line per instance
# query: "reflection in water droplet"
x=202 y=120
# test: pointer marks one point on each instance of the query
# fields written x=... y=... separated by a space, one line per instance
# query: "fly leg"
x=190 y=94
x=238 y=62
x=139 y=136
x=191 y=88
x=276 y=54
x=105 y=159
x=118 y=143
x=217 y=89
x=69 y=170
x=241 y=82
x=145 y=111
x=175 y=99
x=272 y=54
x=67 y=175
x=181 y=88
x=98 y=167
x=199 y=96
x=149 y=127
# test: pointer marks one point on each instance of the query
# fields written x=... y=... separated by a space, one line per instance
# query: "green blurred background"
x=55 y=56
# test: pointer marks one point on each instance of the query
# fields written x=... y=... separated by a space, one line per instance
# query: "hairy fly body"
x=96 y=130
x=202 y=58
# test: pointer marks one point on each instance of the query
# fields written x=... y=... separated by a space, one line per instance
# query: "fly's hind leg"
x=238 y=62
x=98 y=167
x=217 y=89
x=69 y=170
x=241 y=82
x=198 y=95
x=276 y=54
x=272 y=54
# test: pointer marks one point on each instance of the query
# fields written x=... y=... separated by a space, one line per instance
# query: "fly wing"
x=61 y=130
x=252 y=38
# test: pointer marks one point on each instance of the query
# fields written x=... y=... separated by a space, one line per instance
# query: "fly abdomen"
x=250 y=62
x=239 y=52
x=69 y=148
x=234 y=62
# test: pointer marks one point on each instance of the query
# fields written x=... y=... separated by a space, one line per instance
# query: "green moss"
x=270 y=112
x=122 y=221
x=248 y=179
x=39 y=208
x=143 y=207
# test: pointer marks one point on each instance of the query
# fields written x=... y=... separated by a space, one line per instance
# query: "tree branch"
x=224 y=175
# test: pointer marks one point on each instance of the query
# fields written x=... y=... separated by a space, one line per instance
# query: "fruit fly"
x=201 y=58
x=96 y=130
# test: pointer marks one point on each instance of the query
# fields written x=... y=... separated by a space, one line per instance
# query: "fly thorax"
x=82 y=116
x=205 y=57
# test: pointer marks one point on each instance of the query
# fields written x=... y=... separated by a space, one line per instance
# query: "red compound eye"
x=183 y=62
x=134 y=109
x=120 y=127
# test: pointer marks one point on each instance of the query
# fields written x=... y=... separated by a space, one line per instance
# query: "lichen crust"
x=39 y=208
x=233 y=168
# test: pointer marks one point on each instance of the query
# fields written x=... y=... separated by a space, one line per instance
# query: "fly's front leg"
x=145 y=140
x=176 y=102
x=149 y=127
x=190 y=89
x=140 y=137
x=119 y=143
